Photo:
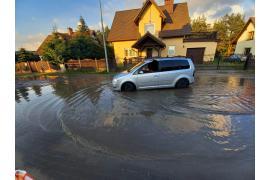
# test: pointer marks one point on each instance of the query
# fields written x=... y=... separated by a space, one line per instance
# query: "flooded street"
x=77 y=127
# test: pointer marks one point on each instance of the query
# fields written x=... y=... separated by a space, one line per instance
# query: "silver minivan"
x=156 y=73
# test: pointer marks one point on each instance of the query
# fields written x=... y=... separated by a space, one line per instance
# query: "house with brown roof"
x=159 y=31
x=245 y=40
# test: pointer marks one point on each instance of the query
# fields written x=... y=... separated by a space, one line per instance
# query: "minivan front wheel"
x=128 y=87
x=182 y=83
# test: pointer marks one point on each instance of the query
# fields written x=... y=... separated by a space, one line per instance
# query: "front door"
x=247 y=51
x=196 y=54
x=149 y=52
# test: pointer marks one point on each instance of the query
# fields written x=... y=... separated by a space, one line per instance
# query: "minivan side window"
x=172 y=65
x=151 y=67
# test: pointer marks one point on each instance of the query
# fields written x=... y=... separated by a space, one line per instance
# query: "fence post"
x=247 y=61
x=36 y=66
x=96 y=64
x=80 y=63
x=20 y=68
x=29 y=66
x=49 y=66
x=219 y=58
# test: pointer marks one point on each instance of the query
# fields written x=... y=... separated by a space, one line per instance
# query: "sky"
x=35 y=18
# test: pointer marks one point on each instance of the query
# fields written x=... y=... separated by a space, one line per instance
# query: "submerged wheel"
x=128 y=86
x=182 y=83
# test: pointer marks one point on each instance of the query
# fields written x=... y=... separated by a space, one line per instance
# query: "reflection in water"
x=24 y=93
x=17 y=96
x=221 y=125
x=213 y=118
x=37 y=90
x=233 y=82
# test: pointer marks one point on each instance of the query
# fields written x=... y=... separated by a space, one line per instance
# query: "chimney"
x=70 y=31
x=169 y=6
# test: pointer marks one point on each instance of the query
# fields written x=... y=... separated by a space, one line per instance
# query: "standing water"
x=77 y=127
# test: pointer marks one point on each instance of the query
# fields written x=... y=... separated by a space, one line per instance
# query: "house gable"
x=146 y=7
x=244 y=33
x=150 y=16
x=175 y=24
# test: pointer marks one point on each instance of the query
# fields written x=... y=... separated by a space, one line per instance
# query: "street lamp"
x=104 y=43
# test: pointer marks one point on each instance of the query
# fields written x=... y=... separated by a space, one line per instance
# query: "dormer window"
x=149 y=28
x=251 y=35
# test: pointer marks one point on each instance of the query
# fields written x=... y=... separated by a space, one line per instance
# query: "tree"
x=54 y=50
x=23 y=55
x=199 y=24
x=235 y=23
x=82 y=27
x=227 y=28
x=83 y=46
x=99 y=35
x=222 y=35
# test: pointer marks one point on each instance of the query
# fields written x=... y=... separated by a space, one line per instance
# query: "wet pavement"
x=77 y=127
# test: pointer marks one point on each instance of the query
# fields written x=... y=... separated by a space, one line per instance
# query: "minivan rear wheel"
x=128 y=87
x=182 y=83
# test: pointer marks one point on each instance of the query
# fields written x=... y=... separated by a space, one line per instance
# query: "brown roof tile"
x=124 y=28
x=138 y=44
x=178 y=19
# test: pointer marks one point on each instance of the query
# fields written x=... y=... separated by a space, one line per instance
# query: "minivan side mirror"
x=141 y=72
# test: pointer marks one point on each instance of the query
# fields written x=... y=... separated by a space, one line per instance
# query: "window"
x=171 y=51
x=150 y=67
x=129 y=52
x=126 y=52
x=251 y=35
x=149 y=28
x=247 y=51
x=172 y=65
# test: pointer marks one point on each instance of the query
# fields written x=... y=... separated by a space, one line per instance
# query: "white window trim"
x=129 y=52
x=169 y=50
x=150 y=24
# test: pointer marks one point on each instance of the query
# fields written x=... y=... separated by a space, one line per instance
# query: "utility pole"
x=104 y=42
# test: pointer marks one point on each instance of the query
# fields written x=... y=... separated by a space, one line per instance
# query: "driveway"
x=77 y=127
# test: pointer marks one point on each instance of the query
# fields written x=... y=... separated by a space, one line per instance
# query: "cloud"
x=237 y=9
x=30 y=42
x=214 y=9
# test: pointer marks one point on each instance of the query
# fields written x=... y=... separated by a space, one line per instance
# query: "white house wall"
x=243 y=43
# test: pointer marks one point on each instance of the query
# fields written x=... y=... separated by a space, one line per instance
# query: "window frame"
x=169 y=50
x=251 y=35
x=130 y=52
x=154 y=28
x=175 y=65
x=148 y=63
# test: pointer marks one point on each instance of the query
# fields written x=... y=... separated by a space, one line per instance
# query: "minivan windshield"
x=134 y=67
